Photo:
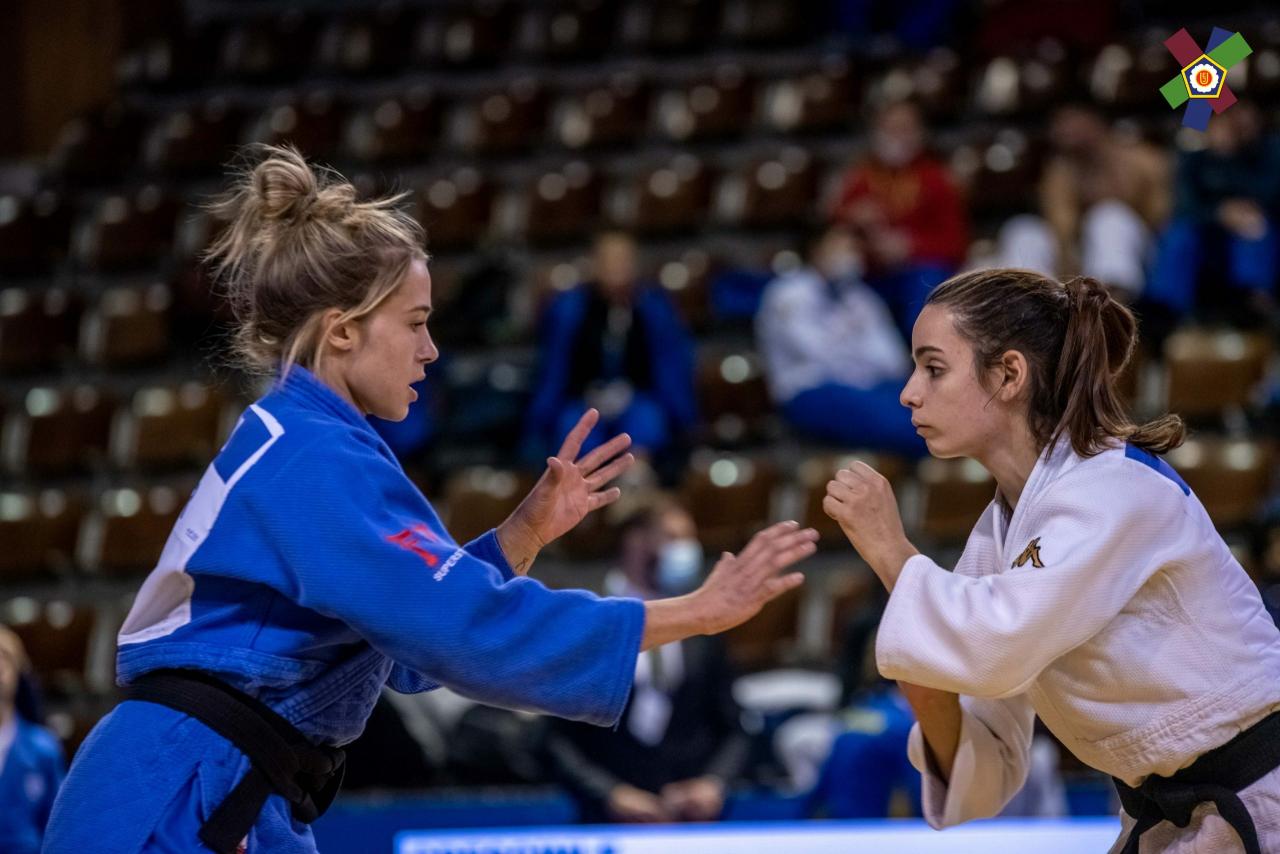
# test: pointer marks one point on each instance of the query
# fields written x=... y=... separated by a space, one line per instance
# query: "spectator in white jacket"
x=1093 y=592
x=834 y=360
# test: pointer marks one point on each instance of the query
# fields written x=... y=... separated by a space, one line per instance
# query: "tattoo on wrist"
x=520 y=567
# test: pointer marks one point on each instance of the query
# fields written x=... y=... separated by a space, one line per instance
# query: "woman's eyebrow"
x=925 y=349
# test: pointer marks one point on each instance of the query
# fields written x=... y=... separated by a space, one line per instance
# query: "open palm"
x=570 y=488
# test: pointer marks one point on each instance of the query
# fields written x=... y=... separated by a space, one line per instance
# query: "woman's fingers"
x=607 y=451
x=781 y=551
x=609 y=472
x=573 y=442
x=775 y=587
x=764 y=538
x=596 y=500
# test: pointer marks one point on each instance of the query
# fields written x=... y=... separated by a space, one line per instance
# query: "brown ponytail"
x=1076 y=339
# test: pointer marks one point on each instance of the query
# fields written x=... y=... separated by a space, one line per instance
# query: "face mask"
x=842 y=266
x=679 y=567
x=892 y=151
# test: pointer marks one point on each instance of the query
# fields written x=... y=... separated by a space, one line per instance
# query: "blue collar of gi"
x=304 y=387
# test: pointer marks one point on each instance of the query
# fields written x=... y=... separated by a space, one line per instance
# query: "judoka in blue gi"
x=31 y=763
x=306 y=571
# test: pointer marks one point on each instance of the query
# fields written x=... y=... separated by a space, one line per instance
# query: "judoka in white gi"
x=1094 y=590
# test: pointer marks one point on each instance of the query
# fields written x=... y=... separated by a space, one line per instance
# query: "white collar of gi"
x=1055 y=461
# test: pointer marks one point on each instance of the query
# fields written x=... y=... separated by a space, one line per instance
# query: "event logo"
x=1203 y=79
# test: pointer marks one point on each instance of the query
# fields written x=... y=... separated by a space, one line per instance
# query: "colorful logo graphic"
x=1203 y=79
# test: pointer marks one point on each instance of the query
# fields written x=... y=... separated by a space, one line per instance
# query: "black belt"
x=284 y=761
x=1216 y=777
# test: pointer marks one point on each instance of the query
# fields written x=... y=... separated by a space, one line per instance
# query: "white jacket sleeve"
x=992 y=635
x=991 y=761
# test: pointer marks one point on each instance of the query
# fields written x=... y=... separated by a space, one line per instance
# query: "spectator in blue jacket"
x=1223 y=231
x=614 y=344
x=31 y=763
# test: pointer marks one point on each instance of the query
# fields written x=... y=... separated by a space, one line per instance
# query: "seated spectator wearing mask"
x=834 y=360
x=680 y=743
x=905 y=203
x=31 y=763
x=1223 y=231
x=614 y=343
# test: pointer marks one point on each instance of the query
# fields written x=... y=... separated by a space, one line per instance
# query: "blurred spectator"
x=904 y=202
x=31 y=762
x=616 y=344
x=834 y=360
x=680 y=743
x=1223 y=232
x=1102 y=196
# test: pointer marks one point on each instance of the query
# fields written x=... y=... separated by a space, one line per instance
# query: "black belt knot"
x=1216 y=777
x=283 y=761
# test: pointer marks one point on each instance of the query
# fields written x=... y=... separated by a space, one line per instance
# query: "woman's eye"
x=418 y=325
x=933 y=370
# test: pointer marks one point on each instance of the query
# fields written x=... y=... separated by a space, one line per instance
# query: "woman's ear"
x=1014 y=375
x=342 y=335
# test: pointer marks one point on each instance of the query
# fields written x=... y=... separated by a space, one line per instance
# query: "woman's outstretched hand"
x=737 y=588
x=861 y=501
x=568 y=490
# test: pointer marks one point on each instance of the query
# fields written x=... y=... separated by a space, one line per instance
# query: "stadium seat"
x=669 y=26
x=59 y=431
x=819 y=100
x=733 y=395
x=1209 y=371
x=167 y=427
x=953 y=494
x=195 y=140
x=611 y=113
x=999 y=173
x=129 y=326
x=125 y=232
x=471 y=35
x=377 y=41
x=729 y=496
x=764 y=641
x=566 y=30
x=671 y=197
x=1231 y=477
x=178 y=60
x=56 y=635
x=313 y=122
x=37 y=328
x=34 y=232
x=770 y=192
x=402 y=127
x=38 y=529
x=478 y=498
x=100 y=145
x=685 y=279
x=126 y=528
x=562 y=204
x=817 y=471
x=274 y=49
x=456 y=208
x=708 y=106
x=502 y=120
x=767 y=23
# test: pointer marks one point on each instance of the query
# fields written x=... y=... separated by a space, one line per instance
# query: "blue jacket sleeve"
x=555 y=341
x=357 y=549
x=485 y=548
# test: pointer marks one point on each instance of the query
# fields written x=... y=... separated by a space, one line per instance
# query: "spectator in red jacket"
x=905 y=203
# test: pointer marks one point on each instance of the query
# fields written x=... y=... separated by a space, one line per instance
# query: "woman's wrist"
x=519 y=545
x=887 y=564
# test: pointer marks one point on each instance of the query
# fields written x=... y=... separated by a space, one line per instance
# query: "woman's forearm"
x=939 y=715
x=670 y=620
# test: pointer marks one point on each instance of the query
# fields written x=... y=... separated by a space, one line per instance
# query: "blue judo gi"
x=307 y=571
x=31 y=770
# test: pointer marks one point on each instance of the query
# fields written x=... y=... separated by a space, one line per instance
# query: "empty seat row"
x=125 y=326
x=69 y=430
x=392 y=38
x=52 y=532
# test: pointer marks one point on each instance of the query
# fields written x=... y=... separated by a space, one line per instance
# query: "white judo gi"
x=1108 y=605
